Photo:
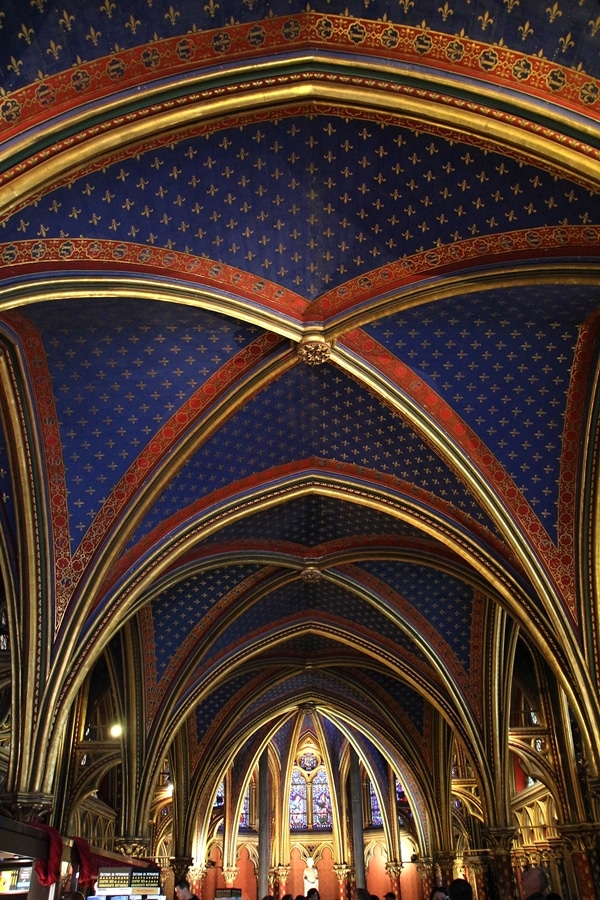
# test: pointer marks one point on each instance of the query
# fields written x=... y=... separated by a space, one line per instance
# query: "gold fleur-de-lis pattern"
x=322 y=201
x=45 y=38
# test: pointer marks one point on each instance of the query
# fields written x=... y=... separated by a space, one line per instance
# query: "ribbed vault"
x=299 y=406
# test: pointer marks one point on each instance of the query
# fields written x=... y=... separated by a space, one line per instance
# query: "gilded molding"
x=101 y=143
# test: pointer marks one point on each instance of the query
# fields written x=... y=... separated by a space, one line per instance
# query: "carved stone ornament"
x=581 y=837
x=26 y=807
x=310 y=575
x=394 y=868
x=314 y=350
x=342 y=870
x=180 y=866
x=230 y=874
x=132 y=846
x=500 y=839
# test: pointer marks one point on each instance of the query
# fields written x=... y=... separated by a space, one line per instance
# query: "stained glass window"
x=375 y=811
x=245 y=814
x=298 y=817
x=308 y=761
x=321 y=800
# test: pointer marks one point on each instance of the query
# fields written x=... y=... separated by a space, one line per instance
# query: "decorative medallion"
x=314 y=350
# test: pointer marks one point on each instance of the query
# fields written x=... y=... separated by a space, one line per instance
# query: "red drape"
x=88 y=863
x=48 y=870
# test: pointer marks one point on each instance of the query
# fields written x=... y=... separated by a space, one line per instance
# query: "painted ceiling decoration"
x=299 y=330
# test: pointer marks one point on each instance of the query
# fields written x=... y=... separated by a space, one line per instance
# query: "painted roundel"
x=308 y=761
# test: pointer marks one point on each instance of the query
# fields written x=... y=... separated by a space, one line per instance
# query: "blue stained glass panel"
x=376 y=819
x=245 y=814
x=321 y=800
x=298 y=818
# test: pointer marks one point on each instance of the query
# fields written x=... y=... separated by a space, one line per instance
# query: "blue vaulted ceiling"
x=48 y=40
x=324 y=199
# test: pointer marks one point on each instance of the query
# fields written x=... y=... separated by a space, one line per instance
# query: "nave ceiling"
x=299 y=325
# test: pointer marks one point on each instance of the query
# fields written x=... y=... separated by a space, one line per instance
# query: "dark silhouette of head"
x=534 y=881
x=460 y=889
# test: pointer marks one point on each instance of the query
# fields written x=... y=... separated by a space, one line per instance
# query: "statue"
x=310 y=875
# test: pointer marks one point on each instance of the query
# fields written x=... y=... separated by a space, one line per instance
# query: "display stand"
x=20 y=846
x=127 y=881
x=15 y=878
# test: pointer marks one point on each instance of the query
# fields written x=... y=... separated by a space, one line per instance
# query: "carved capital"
x=26 y=807
x=137 y=847
x=594 y=786
x=477 y=860
x=425 y=868
x=342 y=870
x=393 y=868
x=181 y=866
x=556 y=848
x=581 y=837
x=314 y=350
x=522 y=858
x=500 y=840
x=230 y=874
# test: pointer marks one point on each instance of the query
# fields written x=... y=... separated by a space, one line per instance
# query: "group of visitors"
x=362 y=894
x=459 y=889
x=534 y=882
x=313 y=894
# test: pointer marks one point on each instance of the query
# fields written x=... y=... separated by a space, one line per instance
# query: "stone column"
x=500 y=842
x=394 y=870
x=264 y=825
x=282 y=877
x=583 y=842
x=196 y=879
x=343 y=876
x=555 y=856
x=444 y=865
x=520 y=861
x=478 y=864
x=425 y=870
x=358 y=842
x=166 y=874
x=351 y=883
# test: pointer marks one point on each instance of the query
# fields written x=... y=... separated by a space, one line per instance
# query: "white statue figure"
x=311 y=875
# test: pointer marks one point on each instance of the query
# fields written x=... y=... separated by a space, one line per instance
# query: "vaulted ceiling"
x=299 y=324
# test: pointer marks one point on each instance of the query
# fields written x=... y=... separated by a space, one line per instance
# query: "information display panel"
x=127 y=881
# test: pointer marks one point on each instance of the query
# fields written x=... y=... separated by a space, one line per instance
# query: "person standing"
x=182 y=890
x=534 y=882
x=438 y=893
x=460 y=889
